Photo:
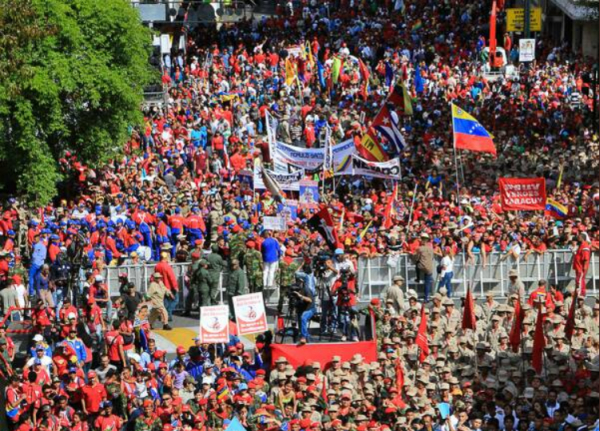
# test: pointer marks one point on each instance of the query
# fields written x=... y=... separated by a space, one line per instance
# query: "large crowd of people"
x=179 y=193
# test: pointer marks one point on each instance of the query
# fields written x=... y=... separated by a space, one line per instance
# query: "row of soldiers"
x=238 y=271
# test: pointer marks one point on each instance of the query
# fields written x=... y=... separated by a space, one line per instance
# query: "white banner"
x=287 y=182
x=250 y=313
x=361 y=167
x=310 y=158
x=214 y=324
x=274 y=223
x=526 y=50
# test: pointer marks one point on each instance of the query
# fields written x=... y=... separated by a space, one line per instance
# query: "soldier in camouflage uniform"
x=202 y=277
x=254 y=267
x=194 y=286
x=237 y=246
x=216 y=264
x=286 y=277
x=236 y=285
x=148 y=421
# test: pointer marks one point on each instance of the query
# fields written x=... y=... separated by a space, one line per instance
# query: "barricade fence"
x=375 y=274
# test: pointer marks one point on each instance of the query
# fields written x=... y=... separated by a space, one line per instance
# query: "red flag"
x=539 y=343
x=522 y=194
x=570 y=325
x=324 y=390
x=365 y=74
x=399 y=376
x=323 y=223
x=400 y=98
x=387 y=223
x=517 y=327
x=422 y=337
x=493 y=42
x=469 y=321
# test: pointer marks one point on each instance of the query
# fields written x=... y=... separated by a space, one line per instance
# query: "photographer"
x=306 y=305
x=343 y=292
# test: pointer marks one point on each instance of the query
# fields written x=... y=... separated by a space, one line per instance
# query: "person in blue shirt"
x=38 y=257
x=42 y=286
x=307 y=299
x=271 y=253
x=77 y=345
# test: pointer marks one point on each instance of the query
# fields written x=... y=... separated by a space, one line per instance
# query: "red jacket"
x=168 y=276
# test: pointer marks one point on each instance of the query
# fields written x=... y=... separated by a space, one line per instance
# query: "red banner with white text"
x=523 y=194
x=299 y=355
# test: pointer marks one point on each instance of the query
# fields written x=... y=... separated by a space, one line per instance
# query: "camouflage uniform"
x=144 y=423
x=194 y=288
x=216 y=264
x=287 y=278
x=237 y=246
x=254 y=270
x=203 y=278
x=236 y=286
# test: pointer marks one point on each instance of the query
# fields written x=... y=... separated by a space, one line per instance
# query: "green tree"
x=72 y=74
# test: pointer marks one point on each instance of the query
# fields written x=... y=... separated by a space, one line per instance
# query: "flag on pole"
x=419 y=82
x=539 y=344
x=399 y=375
x=323 y=223
x=290 y=72
x=493 y=41
x=469 y=320
x=401 y=100
x=321 y=74
x=336 y=68
x=389 y=209
x=370 y=149
x=365 y=75
x=385 y=124
x=469 y=134
x=556 y=209
x=517 y=327
x=422 y=337
x=570 y=324
x=389 y=74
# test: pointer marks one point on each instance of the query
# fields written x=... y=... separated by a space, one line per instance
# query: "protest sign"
x=309 y=192
x=214 y=324
x=274 y=223
x=250 y=313
x=527 y=194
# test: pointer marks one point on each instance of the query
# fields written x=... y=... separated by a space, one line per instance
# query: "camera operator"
x=59 y=278
x=306 y=304
x=343 y=291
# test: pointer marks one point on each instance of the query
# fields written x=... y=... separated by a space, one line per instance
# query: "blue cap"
x=11 y=232
x=242 y=386
x=338 y=251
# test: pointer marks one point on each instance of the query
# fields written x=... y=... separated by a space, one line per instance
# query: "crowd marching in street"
x=186 y=189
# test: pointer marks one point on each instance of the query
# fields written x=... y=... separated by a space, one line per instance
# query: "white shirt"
x=448 y=264
x=21 y=292
x=46 y=363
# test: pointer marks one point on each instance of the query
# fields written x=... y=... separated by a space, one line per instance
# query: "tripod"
x=290 y=324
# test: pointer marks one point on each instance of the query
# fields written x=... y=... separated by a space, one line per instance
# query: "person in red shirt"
x=164 y=268
x=218 y=145
x=581 y=263
x=107 y=420
x=114 y=345
x=92 y=395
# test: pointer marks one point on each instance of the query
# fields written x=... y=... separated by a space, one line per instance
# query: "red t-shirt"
x=113 y=341
x=93 y=396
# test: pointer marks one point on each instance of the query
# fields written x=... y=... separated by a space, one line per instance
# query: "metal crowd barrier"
x=555 y=266
x=375 y=274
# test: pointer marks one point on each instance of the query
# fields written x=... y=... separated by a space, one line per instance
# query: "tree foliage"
x=72 y=74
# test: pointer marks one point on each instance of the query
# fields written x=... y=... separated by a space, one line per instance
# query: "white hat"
x=38 y=337
x=99 y=278
x=134 y=357
x=71 y=316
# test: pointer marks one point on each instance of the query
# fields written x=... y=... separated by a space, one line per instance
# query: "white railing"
x=375 y=274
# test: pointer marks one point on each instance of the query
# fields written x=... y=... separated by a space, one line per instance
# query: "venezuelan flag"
x=469 y=134
x=417 y=25
x=222 y=392
x=290 y=72
x=556 y=209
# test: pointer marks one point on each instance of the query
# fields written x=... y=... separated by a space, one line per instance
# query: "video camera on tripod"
x=344 y=294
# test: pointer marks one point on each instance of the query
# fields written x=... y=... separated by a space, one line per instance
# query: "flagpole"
x=412 y=205
x=462 y=243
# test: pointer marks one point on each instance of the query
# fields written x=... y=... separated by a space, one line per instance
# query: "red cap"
x=148 y=403
x=246 y=355
x=91 y=374
x=180 y=350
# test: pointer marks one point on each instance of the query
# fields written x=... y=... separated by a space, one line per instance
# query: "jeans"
x=446 y=282
x=345 y=314
x=304 y=321
x=33 y=271
x=428 y=282
x=170 y=305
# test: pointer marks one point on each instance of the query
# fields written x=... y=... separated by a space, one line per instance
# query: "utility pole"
x=527 y=18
